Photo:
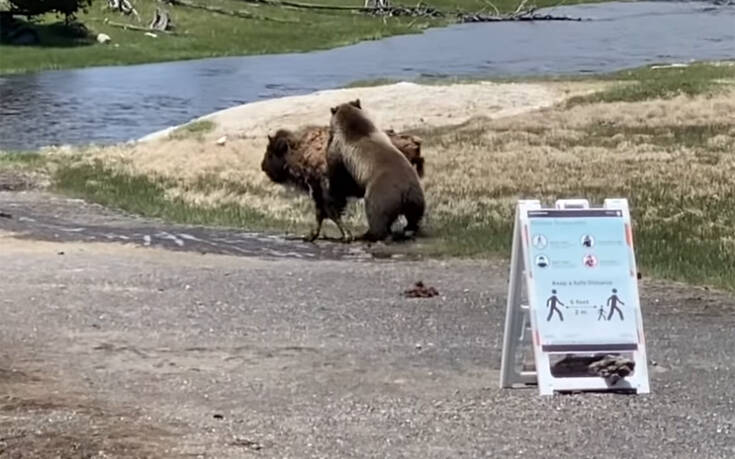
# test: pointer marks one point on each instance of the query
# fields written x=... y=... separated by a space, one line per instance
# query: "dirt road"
x=117 y=349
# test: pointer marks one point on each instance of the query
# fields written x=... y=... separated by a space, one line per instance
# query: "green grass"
x=665 y=136
x=146 y=196
x=193 y=129
x=692 y=247
x=203 y=34
x=640 y=83
x=678 y=178
x=688 y=248
x=21 y=159
x=647 y=83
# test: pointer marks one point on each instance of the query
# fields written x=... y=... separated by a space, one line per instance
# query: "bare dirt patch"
x=19 y=180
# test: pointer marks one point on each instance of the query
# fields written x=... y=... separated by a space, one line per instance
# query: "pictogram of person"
x=590 y=261
x=587 y=241
x=539 y=241
x=551 y=303
x=613 y=303
x=601 y=316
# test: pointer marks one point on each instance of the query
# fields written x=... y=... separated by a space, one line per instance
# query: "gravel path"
x=112 y=350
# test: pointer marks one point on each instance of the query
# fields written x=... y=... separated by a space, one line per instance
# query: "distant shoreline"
x=200 y=35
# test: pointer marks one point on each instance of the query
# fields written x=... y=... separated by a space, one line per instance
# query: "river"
x=112 y=104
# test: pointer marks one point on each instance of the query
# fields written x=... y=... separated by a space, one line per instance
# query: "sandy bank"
x=399 y=106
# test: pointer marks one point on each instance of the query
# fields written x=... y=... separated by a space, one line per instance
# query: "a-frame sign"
x=579 y=270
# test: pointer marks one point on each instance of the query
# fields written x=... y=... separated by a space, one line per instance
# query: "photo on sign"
x=588 y=241
x=542 y=261
x=590 y=260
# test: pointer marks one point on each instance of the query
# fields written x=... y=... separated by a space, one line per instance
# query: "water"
x=112 y=104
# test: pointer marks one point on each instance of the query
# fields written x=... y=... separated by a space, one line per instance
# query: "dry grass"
x=683 y=145
x=200 y=173
x=674 y=160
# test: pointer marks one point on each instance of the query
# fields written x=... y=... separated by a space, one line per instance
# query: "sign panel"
x=583 y=279
x=578 y=266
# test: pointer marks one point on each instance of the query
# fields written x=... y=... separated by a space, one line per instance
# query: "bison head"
x=274 y=162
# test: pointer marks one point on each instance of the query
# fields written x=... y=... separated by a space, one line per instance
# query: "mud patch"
x=45 y=217
x=12 y=180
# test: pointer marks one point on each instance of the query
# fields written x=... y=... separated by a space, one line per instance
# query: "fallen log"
x=310 y=6
x=475 y=17
x=407 y=11
x=521 y=13
x=137 y=28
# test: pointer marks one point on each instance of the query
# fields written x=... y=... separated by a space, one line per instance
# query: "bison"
x=298 y=159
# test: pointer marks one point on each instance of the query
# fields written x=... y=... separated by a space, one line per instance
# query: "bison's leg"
x=316 y=191
x=314 y=233
x=338 y=185
x=335 y=204
x=346 y=235
x=327 y=205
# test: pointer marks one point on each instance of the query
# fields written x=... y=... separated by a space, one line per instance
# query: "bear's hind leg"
x=413 y=209
x=381 y=211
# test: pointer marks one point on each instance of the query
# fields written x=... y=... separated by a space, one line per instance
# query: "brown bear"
x=298 y=159
x=391 y=185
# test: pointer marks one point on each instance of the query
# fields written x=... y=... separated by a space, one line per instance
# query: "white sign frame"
x=521 y=329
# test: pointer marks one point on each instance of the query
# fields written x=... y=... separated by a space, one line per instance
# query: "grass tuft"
x=193 y=129
x=649 y=83
x=21 y=159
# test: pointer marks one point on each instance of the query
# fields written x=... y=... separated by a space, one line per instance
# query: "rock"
x=103 y=38
x=421 y=291
x=254 y=445
x=612 y=368
x=222 y=140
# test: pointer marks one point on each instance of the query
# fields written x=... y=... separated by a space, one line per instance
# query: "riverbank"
x=486 y=145
x=260 y=29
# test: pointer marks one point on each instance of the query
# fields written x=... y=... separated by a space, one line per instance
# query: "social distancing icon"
x=578 y=266
x=553 y=304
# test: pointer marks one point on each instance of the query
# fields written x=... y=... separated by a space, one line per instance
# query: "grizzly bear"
x=298 y=159
x=391 y=185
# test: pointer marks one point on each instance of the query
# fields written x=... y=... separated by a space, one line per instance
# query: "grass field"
x=670 y=153
x=207 y=34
